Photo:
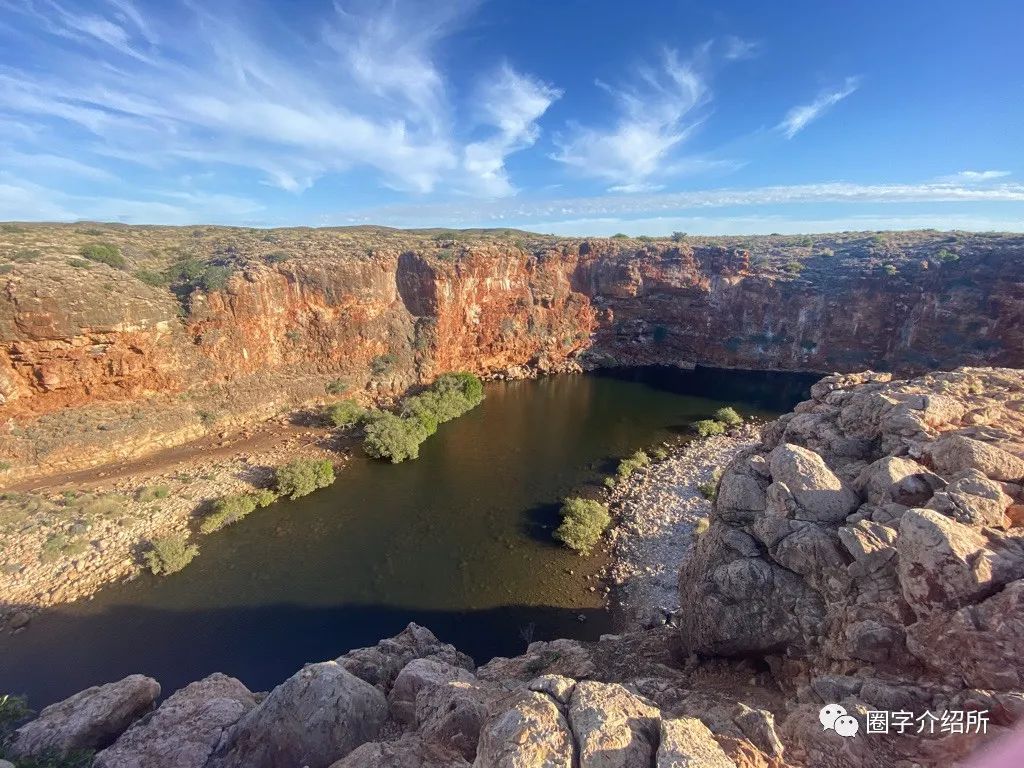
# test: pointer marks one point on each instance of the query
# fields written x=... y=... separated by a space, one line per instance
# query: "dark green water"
x=459 y=540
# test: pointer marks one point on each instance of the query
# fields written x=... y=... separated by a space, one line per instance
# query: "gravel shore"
x=657 y=512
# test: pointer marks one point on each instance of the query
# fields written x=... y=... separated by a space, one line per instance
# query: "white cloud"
x=366 y=93
x=736 y=48
x=974 y=177
x=502 y=212
x=511 y=103
x=57 y=163
x=654 y=116
x=799 y=116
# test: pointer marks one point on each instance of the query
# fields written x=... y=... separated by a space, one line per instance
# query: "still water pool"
x=459 y=540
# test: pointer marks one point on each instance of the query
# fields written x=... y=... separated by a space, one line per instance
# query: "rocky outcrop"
x=186 y=728
x=318 y=715
x=91 y=719
x=868 y=537
x=396 y=310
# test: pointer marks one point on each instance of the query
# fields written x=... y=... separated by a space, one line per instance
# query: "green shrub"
x=75 y=758
x=793 y=267
x=344 y=414
x=337 y=387
x=890 y=270
x=303 y=476
x=631 y=464
x=620 y=236
x=58 y=546
x=382 y=364
x=231 y=509
x=701 y=526
x=109 y=505
x=610 y=483
x=6 y=269
x=13 y=710
x=149 y=277
x=709 y=427
x=659 y=453
x=169 y=554
x=728 y=416
x=389 y=436
x=583 y=522
x=678 y=237
x=152 y=493
x=105 y=253
x=946 y=256
x=397 y=437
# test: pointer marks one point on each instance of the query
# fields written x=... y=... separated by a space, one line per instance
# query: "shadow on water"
x=442 y=540
x=184 y=646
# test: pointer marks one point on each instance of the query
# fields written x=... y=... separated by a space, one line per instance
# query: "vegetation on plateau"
x=397 y=437
x=301 y=477
x=169 y=554
x=583 y=523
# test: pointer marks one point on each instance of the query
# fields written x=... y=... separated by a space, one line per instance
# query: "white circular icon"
x=847 y=725
x=829 y=714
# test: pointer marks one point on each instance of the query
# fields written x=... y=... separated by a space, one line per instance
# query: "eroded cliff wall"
x=384 y=310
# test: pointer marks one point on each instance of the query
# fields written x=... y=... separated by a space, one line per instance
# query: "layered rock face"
x=419 y=307
x=871 y=548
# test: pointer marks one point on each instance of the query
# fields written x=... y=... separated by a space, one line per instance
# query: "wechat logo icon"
x=834 y=717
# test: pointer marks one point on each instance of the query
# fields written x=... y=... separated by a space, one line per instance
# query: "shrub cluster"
x=631 y=464
x=583 y=523
x=728 y=416
x=344 y=414
x=709 y=427
x=105 y=253
x=301 y=477
x=231 y=509
x=397 y=437
x=169 y=554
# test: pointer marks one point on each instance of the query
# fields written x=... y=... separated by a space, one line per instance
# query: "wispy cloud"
x=654 y=116
x=521 y=212
x=736 y=48
x=367 y=93
x=800 y=116
x=974 y=177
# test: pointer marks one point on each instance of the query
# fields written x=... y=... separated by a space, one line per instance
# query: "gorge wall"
x=381 y=311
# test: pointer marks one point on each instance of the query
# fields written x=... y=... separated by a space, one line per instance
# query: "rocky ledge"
x=867 y=553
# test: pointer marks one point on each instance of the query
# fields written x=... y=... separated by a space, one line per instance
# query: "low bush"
x=337 y=387
x=701 y=527
x=149 y=277
x=709 y=490
x=793 y=267
x=231 y=509
x=169 y=554
x=152 y=493
x=13 y=710
x=59 y=546
x=728 y=416
x=659 y=453
x=389 y=436
x=397 y=437
x=632 y=463
x=105 y=253
x=946 y=256
x=583 y=523
x=303 y=476
x=709 y=427
x=344 y=414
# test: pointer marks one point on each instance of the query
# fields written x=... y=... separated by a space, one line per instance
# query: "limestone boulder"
x=185 y=730
x=614 y=728
x=820 y=494
x=525 y=730
x=685 y=742
x=410 y=751
x=91 y=719
x=421 y=676
x=314 y=718
x=380 y=664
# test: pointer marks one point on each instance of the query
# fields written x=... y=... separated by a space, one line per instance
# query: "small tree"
x=583 y=523
x=169 y=554
x=231 y=509
x=301 y=477
x=105 y=253
x=391 y=437
x=728 y=416
x=344 y=414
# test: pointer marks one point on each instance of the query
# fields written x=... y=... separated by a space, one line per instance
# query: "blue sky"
x=573 y=117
